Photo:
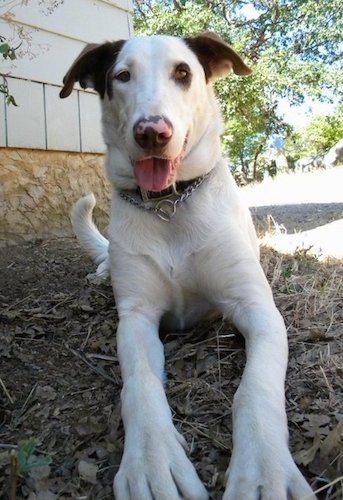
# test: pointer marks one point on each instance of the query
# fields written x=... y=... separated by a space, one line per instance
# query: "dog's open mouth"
x=156 y=173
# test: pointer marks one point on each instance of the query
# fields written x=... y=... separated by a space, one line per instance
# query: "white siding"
x=56 y=39
x=90 y=123
x=26 y=123
x=62 y=120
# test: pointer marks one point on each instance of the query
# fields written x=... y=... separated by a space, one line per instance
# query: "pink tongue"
x=153 y=174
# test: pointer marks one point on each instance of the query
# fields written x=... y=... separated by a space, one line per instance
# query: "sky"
x=300 y=116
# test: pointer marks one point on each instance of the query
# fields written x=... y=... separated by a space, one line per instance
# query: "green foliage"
x=293 y=47
x=322 y=133
x=293 y=147
x=28 y=458
x=319 y=136
x=7 y=52
x=46 y=7
x=9 y=99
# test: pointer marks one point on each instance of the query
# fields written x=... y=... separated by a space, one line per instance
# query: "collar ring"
x=165 y=209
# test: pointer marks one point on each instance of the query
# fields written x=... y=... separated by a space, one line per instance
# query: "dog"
x=181 y=245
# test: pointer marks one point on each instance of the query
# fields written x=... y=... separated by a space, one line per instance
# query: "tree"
x=318 y=137
x=323 y=132
x=293 y=47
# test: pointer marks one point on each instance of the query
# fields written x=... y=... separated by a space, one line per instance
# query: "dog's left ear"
x=216 y=57
x=91 y=66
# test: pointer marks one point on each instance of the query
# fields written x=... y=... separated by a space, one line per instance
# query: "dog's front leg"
x=154 y=464
x=261 y=465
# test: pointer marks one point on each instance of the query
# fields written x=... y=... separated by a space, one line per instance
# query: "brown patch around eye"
x=182 y=75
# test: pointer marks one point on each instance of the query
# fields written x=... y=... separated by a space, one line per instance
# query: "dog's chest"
x=168 y=248
x=175 y=259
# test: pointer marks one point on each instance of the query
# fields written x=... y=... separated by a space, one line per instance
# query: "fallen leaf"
x=89 y=425
x=87 y=471
x=316 y=424
x=46 y=495
x=333 y=440
x=305 y=457
x=40 y=473
x=46 y=392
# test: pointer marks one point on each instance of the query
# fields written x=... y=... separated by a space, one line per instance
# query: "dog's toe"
x=267 y=479
x=159 y=470
x=162 y=485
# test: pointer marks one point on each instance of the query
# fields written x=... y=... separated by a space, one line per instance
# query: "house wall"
x=51 y=149
x=56 y=38
x=48 y=44
x=44 y=121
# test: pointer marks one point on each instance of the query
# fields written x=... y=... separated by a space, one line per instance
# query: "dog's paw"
x=157 y=468
x=266 y=476
x=101 y=275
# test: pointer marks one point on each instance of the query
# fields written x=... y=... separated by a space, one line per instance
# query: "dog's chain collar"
x=164 y=206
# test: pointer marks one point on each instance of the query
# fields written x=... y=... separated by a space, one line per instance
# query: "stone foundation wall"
x=38 y=189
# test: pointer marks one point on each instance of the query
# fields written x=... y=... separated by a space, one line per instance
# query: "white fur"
x=206 y=258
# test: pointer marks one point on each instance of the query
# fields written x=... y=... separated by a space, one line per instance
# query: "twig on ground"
x=325 y=487
x=329 y=386
x=90 y=328
x=28 y=398
x=6 y=391
x=83 y=391
x=97 y=370
x=14 y=475
x=105 y=357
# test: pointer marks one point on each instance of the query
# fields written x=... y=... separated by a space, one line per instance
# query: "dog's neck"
x=178 y=189
x=201 y=159
x=163 y=203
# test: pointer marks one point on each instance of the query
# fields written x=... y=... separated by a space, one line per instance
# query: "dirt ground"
x=60 y=380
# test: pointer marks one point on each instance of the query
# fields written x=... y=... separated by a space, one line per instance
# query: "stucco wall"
x=38 y=188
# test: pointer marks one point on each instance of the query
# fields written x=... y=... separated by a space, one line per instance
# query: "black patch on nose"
x=147 y=138
x=150 y=138
x=155 y=119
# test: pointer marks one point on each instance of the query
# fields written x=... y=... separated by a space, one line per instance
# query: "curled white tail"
x=88 y=235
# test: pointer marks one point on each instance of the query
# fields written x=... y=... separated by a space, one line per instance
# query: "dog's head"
x=157 y=104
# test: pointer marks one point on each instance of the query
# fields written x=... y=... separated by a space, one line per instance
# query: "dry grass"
x=205 y=373
x=60 y=379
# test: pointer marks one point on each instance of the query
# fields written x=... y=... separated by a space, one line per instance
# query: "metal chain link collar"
x=164 y=208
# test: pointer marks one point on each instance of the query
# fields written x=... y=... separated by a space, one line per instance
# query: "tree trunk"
x=258 y=152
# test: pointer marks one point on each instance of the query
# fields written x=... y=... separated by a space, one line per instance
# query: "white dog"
x=181 y=245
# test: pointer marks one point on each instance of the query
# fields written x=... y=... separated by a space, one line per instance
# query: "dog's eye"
x=123 y=76
x=182 y=73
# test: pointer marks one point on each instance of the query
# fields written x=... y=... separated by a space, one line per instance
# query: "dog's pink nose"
x=153 y=133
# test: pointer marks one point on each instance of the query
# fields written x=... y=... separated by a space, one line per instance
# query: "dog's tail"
x=88 y=235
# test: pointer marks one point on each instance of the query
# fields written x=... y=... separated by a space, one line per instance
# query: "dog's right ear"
x=216 y=57
x=91 y=66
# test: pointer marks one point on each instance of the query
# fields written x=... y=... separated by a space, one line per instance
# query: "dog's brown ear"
x=216 y=57
x=91 y=66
